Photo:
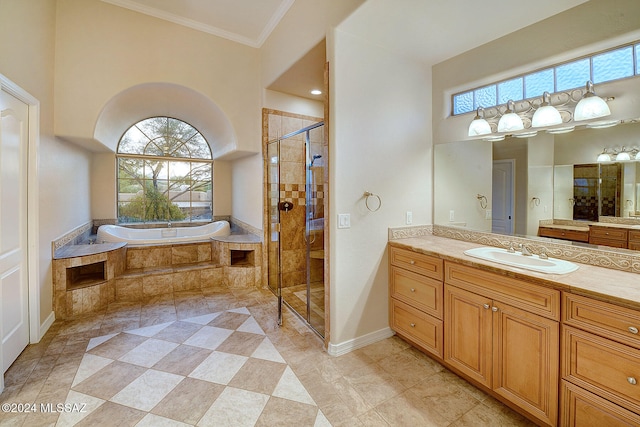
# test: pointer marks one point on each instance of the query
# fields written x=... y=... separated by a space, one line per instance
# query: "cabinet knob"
x=412 y=262
x=633 y=329
x=486 y=306
x=494 y=309
x=632 y=381
x=413 y=290
x=413 y=325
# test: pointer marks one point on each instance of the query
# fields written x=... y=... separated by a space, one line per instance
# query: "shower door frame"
x=277 y=228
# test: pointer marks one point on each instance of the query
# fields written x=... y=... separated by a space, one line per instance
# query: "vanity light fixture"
x=619 y=155
x=591 y=106
x=623 y=156
x=479 y=126
x=510 y=121
x=604 y=156
x=546 y=114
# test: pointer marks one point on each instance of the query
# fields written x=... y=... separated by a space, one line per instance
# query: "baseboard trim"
x=359 y=342
x=44 y=327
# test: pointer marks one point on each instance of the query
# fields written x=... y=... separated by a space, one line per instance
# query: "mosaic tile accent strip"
x=72 y=237
x=413 y=231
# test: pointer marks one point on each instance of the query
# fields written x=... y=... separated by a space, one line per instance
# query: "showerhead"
x=315 y=157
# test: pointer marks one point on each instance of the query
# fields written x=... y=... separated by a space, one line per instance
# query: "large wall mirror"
x=508 y=187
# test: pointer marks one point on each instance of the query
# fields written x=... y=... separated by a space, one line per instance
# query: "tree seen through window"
x=164 y=173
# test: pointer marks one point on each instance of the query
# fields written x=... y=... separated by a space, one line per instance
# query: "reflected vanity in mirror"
x=552 y=186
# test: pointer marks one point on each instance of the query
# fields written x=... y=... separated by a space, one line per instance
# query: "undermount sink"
x=516 y=259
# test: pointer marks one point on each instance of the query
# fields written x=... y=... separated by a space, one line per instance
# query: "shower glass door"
x=295 y=181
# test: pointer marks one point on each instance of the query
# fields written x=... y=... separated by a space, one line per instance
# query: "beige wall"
x=379 y=141
x=27 y=34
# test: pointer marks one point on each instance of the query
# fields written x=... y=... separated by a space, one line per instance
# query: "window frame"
x=168 y=160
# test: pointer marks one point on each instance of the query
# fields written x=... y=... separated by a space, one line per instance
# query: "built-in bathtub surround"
x=89 y=277
x=628 y=261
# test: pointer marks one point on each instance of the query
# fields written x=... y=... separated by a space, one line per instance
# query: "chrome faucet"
x=525 y=251
x=168 y=225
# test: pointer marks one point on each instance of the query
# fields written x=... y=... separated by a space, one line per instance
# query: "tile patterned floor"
x=216 y=357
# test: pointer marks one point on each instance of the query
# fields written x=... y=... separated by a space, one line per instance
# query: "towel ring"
x=367 y=196
x=483 y=201
x=536 y=201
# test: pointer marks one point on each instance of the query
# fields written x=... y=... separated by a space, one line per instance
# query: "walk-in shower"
x=296 y=201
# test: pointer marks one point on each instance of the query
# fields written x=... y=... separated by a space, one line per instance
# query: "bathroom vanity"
x=560 y=349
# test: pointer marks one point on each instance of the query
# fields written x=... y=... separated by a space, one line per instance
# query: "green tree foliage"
x=153 y=205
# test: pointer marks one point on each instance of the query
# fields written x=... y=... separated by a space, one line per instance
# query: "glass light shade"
x=604 y=157
x=622 y=156
x=510 y=121
x=479 y=126
x=546 y=114
x=591 y=106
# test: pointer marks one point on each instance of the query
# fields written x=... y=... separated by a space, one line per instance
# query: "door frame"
x=35 y=330
x=512 y=193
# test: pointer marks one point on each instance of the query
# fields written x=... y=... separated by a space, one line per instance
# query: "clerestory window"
x=614 y=64
x=165 y=173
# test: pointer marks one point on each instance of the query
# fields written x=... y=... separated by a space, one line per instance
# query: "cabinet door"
x=468 y=333
x=526 y=360
x=583 y=409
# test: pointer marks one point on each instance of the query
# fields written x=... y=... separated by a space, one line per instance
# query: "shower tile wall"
x=292 y=189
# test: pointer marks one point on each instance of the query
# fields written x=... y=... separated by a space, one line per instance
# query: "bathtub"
x=150 y=236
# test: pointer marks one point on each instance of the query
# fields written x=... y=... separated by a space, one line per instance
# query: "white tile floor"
x=218 y=358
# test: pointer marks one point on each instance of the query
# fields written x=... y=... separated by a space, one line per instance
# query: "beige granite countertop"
x=72 y=251
x=616 y=225
x=609 y=285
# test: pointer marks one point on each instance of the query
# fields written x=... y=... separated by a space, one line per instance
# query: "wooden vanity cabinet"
x=503 y=333
x=600 y=362
x=634 y=240
x=416 y=298
x=564 y=234
x=608 y=236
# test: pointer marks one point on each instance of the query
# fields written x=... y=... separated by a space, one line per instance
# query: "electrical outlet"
x=452 y=216
x=409 y=219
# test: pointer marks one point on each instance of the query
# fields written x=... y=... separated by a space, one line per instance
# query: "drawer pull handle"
x=413 y=290
x=486 y=306
x=413 y=325
x=412 y=262
x=633 y=329
x=494 y=309
x=632 y=381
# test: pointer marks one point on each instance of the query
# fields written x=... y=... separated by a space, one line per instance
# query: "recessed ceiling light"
x=316 y=92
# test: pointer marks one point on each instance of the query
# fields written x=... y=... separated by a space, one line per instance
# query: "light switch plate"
x=409 y=218
x=344 y=221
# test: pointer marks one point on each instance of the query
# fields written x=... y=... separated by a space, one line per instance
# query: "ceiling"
x=244 y=21
x=429 y=31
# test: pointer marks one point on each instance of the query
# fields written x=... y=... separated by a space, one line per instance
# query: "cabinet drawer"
x=524 y=295
x=419 y=291
x=583 y=409
x=634 y=239
x=604 y=367
x=609 y=233
x=608 y=242
x=416 y=326
x=558 y=233
x=609 y=320
x=419 y=263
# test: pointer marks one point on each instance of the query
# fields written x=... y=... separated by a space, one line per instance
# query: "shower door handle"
x=285 y=206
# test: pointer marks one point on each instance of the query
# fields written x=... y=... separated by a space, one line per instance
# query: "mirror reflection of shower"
x=315 y=157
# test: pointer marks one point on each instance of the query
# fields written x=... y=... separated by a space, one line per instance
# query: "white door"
x=14 y=298
x=502 y=197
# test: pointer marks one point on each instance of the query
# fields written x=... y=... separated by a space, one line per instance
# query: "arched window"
x=165 y=173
